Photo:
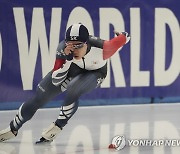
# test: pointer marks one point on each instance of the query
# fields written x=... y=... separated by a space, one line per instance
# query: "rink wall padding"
x=98 y=102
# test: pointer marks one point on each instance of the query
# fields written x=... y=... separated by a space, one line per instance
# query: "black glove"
x=70 y=56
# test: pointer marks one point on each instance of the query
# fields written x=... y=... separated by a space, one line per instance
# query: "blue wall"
x=146 y=70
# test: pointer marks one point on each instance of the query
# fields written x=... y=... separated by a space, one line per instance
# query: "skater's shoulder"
x=96 y=41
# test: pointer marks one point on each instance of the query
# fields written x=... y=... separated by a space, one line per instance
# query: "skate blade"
x=43 y=141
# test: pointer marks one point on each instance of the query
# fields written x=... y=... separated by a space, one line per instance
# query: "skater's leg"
x=45 y=91
x=80 y=85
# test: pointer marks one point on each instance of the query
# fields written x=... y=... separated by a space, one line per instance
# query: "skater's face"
x=78 y=48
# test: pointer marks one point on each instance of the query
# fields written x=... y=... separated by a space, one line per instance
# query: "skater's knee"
x=74 y=91
x=75 y=88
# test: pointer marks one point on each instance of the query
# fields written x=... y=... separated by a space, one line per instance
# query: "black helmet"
x=77 y=32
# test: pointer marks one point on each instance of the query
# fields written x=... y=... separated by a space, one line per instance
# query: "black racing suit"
x=76 y=77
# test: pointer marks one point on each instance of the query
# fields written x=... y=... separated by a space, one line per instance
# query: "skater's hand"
x=125 y=34
x=69 y=48
x=116 y=32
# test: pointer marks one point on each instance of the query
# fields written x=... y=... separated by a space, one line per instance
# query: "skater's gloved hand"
x=125 y=34
x=69 y=48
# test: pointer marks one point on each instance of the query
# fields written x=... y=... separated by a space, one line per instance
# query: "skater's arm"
x=110 y=46
x=58 y=64
x=115 y=44
x=62 y=64
x=96 y=42
x=61 y=56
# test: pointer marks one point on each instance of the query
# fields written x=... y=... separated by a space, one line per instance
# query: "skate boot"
x=7 y=134
x=49 y=134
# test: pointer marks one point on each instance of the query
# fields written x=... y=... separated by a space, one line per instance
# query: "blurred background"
x=145 y=71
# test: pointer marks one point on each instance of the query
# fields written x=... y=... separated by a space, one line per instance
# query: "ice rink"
x=91 y=130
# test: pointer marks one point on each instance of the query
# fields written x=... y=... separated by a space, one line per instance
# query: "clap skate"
x=49 y=134
x=7 y=134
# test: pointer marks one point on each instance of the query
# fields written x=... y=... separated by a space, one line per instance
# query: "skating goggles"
x=78 y=45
